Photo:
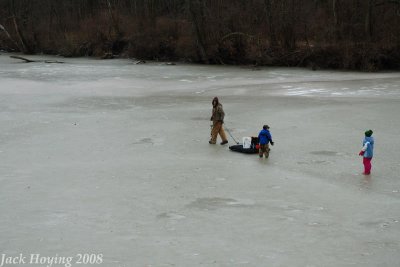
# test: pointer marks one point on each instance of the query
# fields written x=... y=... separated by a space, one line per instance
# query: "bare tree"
x=197 y=13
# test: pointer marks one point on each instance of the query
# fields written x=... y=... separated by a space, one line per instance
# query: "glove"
x=361 y=153
x=272 y=143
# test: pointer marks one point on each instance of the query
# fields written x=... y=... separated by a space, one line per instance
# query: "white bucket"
x=246 y=142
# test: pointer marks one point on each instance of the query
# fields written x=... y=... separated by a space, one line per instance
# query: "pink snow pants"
x=367 y=165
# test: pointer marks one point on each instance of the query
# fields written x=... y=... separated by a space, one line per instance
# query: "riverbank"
x=362 y=57
x=361 y=35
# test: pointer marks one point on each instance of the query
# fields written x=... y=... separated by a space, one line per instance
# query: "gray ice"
x=108 y=157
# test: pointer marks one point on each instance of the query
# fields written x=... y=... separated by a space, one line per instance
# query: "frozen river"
x=112 y=158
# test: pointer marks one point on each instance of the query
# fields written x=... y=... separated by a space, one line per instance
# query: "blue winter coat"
x=369 y=151
x=264 y=137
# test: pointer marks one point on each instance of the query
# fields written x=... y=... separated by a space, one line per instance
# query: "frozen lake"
x=112 y=158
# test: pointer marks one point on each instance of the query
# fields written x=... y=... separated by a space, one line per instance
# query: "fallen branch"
x=22 y=58
x=53 y=61
x=30 y=60
x=139 y=62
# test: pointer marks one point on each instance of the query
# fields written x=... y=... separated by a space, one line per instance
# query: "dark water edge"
x=361 y=57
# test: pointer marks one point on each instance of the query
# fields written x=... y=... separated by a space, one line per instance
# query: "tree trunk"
x=368 y=20
x=336 y=23
x=334 y=10
x=114 y=22
x=23 y=47
x=271 y=28
x=196 y=12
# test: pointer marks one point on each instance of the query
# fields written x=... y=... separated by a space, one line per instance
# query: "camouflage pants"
x=264 y=149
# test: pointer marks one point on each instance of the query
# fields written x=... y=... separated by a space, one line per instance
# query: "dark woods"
x=345 y=34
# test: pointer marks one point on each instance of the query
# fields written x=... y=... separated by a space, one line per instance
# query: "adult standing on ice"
x=217 y=118
x=367 y=152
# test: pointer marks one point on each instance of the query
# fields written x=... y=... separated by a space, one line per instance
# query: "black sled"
x=251 y=150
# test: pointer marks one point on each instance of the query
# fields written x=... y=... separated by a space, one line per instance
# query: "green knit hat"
x=368 y=133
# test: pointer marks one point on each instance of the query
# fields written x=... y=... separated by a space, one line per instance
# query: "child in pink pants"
x=367 y=152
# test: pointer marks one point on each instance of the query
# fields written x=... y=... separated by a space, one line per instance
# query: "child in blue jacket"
x=264 y=138
x=367 y=152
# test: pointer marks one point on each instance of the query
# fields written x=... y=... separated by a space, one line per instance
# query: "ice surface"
x=111 y=157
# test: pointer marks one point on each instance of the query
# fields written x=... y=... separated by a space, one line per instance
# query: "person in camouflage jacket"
x=217 y=118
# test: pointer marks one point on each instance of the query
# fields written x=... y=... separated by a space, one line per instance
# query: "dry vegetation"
x=344 y=34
